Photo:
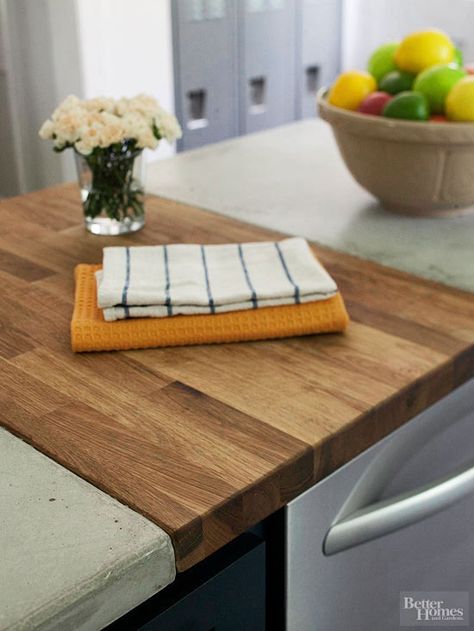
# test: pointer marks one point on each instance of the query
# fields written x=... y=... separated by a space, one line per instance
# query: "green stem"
x=114 y=191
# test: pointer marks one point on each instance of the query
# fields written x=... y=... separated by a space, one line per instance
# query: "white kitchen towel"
x=184 y=279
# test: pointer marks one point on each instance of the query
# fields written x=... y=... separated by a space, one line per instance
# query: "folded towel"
x=180 y=279
x=89 y=331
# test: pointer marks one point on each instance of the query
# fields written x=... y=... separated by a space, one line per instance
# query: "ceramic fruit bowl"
x=415 y=168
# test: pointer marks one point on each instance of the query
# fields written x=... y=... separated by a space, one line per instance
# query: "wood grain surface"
x=206 y=441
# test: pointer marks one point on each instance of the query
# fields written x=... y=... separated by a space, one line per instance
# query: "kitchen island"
x=206 y=442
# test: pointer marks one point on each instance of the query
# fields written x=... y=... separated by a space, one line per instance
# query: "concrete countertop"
x=72 y=558
x=292 y=179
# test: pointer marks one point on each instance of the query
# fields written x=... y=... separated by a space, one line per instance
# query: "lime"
x=397 y=81
x=351 y=88
x=423 y=49
x=436 y=82
x=408 y=105
x=381 y=62
x=460 y=100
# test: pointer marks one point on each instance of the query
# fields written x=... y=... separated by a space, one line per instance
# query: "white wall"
x=126 y=48
x=52 y=48
x=369 y=23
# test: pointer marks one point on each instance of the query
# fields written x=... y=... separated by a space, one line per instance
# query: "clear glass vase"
x=112 y=193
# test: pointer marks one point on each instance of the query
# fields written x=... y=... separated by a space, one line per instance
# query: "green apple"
x=436 y=82
x=382 y=61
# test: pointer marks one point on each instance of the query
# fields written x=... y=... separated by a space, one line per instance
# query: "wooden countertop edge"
x=320 y=460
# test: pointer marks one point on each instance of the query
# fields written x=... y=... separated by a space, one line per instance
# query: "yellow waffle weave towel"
x=90 y=332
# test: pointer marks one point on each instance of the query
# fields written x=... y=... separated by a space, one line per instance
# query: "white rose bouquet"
x=107 y=136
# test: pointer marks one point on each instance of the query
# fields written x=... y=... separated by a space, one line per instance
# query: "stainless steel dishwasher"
x=398 y=518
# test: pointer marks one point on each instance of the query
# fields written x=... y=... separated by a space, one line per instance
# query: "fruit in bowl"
x=382 y=60
x=423 y=49
x=408 y=105
x=425 y=62
x=374 y=103
x=436 y=82
x=460 y=100
x=396 y=81
x=405 y=127
x=351 y=88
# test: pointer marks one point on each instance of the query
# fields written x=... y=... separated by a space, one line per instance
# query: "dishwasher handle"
x=382 y=518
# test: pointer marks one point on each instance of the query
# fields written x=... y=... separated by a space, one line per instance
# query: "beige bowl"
x=412 y=167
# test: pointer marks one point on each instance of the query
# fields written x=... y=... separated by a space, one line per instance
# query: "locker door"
x=319 y=43
x=205 y=59
x=266 y=63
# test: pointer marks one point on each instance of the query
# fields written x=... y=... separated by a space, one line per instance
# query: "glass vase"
x=112 y=193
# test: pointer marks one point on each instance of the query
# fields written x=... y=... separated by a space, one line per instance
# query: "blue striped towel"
x=184 y=279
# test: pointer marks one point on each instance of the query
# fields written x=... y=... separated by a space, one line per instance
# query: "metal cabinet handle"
x=383 y=517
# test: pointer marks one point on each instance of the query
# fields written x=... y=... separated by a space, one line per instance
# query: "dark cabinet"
x=223 y=593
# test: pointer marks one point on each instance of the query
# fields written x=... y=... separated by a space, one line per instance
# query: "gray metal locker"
x=205 y=58
x=319 y=25
x=266 y=63
x=247 y=65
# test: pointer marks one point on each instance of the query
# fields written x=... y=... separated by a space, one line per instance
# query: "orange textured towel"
x=90 y=332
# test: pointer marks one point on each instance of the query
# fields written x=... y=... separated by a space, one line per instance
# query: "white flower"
x=100 y=104
x=102 y=122
x=113 y=130
x=169 y=127
x=68 y=125
x=70 y=103
x=90 y=140
x=47 y=130
x=147 y=139
x=122 y=107
x=83 y=147
x=144 y=104
x=134 y=124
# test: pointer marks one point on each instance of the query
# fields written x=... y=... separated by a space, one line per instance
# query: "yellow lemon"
x=423 y=49
x=460 y=100
x=351 y=88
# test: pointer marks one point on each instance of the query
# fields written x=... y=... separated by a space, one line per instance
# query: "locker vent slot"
x=312 y=79
x=197 y=109
x=258 y=91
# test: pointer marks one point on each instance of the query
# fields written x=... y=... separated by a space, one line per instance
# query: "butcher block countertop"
x=206 y=441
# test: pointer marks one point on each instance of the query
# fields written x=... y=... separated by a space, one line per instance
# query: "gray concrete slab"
x=292 y=179
x=71 y=557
